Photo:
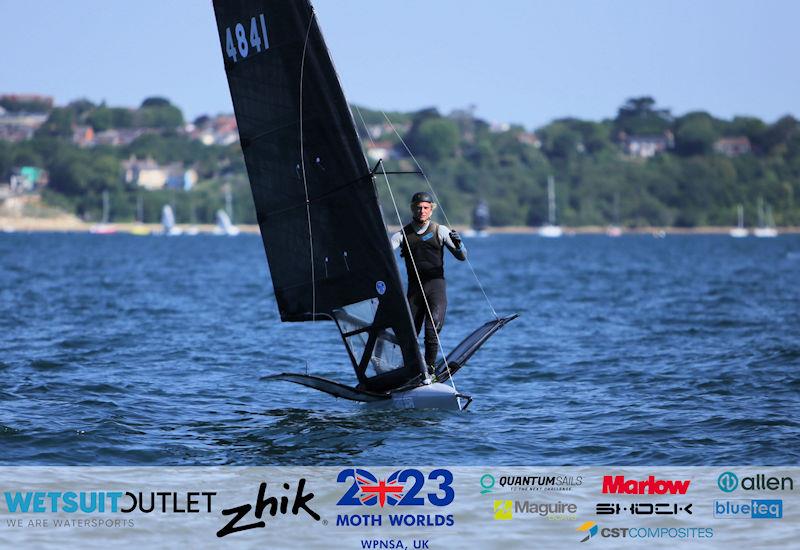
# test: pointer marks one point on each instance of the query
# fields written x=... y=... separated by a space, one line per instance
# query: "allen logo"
x=503 y=509
x=729 y=482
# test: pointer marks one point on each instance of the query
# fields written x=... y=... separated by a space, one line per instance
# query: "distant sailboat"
x=614 y=230
x=224 y=225
x=550 y=229
x=480 y=220
x=316 y=202
x=766 y=225
x=139 y=227
x=739 y=231
x=103 y=228
x=168 y=222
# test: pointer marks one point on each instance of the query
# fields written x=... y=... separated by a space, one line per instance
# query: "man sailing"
x=424 y=241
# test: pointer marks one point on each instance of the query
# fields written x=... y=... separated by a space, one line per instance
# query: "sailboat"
x=317 y=208
x=168 y=222
x=480 y=220
x=739 y=231
x=614 y=230
x=224 y=224
x=550 y=229
x=766 y=225
x=139 y=227
x=103 y=228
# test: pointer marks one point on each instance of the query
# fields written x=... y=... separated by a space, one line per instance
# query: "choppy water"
x=123 y=350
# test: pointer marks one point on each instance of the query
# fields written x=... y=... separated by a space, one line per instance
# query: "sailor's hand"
x=456 y=238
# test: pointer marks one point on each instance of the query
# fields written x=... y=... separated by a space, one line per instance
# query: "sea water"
x=124 y=350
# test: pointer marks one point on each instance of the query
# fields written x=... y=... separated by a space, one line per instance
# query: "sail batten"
x=319 y=188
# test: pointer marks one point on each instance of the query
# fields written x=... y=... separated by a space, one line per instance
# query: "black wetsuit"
x=428 y=253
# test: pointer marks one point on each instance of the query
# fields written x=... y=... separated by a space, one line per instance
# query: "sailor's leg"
x=436 y=293
x=417 y=305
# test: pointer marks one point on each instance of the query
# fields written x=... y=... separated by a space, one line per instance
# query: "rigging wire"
x=305 y=184
x=413 y=262
x=430 y=186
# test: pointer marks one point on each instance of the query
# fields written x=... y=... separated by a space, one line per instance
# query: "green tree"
x=695 y=134
x=639 y=115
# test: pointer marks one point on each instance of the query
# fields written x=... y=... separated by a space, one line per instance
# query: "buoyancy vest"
x=428 y=251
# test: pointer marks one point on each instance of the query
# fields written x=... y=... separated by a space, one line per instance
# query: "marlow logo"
x=589 y=526
x=650 y=486
x=503 y=509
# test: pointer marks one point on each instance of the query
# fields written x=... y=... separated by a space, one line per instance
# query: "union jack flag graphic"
x=372 y=490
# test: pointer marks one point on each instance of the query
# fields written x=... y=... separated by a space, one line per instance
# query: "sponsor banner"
x=360 y=506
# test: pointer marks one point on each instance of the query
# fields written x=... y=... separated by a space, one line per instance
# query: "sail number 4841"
x=238 y=43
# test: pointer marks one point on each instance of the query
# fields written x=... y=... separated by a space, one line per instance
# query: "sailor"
x=422 y=244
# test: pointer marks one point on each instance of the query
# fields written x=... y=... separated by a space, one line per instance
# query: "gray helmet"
x=422 y=196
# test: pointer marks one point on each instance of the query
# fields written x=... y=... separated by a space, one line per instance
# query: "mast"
x=551 y=200
x=106 y=207
x=740 y=211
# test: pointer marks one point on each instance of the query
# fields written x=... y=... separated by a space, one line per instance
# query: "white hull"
x=739 y=233
x=550 y=231
x=765 y=232
x=429 y=396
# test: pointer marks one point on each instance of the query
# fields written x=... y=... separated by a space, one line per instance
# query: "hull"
x=428 y=396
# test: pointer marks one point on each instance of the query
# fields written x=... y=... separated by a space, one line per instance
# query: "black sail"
x=314 y=193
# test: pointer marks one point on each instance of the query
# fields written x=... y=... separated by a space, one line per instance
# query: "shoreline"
x=71 y=224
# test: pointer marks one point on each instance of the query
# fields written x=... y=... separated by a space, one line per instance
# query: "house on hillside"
x=150 y=175
x=646 y=146
x=28 y=179
x=733 y=146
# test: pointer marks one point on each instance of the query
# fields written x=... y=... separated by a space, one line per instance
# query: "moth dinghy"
x=317 y=208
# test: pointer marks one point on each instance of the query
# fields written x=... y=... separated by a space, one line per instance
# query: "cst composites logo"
x=401 y=489
x=728 y=482
x=681 y=533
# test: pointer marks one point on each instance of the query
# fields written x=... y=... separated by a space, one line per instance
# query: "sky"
x=517 y=61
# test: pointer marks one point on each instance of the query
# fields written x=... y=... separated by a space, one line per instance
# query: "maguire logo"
x=590 y=528
x=745 y=508
x=503 y=509
x=650 y=486
x=729 y=482
x=401 y=488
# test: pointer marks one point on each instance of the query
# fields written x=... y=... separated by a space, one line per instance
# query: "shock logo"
x=401 y=488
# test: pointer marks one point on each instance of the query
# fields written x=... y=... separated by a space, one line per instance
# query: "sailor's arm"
x=456 y=247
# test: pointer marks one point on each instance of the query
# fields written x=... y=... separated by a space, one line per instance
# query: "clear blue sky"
x=523 y=61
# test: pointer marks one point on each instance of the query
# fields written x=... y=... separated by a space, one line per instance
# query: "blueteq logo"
x=402 y=488
x=746 y=508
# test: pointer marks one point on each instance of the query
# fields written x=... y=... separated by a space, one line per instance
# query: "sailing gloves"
x=456 y=238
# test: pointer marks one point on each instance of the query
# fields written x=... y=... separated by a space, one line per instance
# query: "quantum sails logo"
x=398 y=491
x=530 y=483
